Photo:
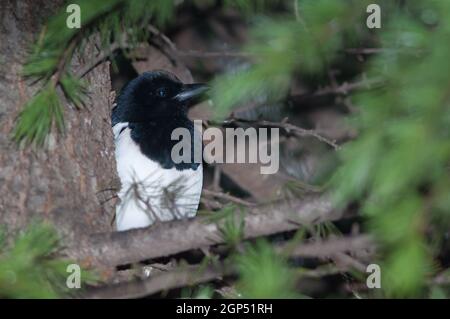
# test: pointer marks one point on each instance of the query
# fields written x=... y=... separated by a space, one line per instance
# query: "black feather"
x=149 y=105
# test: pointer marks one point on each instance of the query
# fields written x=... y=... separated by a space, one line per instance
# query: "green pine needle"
x=264 y=274
x=29 y=267
x=40 y=114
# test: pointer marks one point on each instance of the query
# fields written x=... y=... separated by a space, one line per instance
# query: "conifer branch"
x=165 y=239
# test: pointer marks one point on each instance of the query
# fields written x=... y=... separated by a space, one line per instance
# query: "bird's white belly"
x=150 y=192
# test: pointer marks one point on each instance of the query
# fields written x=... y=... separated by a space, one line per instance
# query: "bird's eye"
x=161 y=92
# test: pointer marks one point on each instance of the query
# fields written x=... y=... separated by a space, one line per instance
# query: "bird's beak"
x=190 y=92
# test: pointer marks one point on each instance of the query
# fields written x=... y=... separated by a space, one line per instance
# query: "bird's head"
x=155 y=95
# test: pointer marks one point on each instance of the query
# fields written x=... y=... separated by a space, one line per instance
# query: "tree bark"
x=59 y=183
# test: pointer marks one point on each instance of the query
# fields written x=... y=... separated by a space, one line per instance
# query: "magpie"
x=153 y=186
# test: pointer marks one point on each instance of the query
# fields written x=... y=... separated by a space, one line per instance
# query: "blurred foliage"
x=29 y=267
x=230 y=224
x=264 y=274
x=399 y=165
x=284 y=45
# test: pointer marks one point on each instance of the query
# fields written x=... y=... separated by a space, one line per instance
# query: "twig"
x=123 y=44
x=364 y=50
x=194 y=53
x=346 y=87
x=216 y=178
x=297 y=11
x=329 y=247
x=181 y=277
x=163 y=37
x=211 y=54
x=63 y=60
x=105 y=54
x=101 y=57
x=211 y=204
x=345 y=261
x=288 y=128
x=228 y=197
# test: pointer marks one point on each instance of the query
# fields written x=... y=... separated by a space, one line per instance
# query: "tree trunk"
x=59 y=183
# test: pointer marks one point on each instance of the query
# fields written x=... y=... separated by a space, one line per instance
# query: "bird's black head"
x=155 y=95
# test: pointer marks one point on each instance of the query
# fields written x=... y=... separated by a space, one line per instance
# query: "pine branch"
x=193 y=275
x=56 y=47
x=119 y=248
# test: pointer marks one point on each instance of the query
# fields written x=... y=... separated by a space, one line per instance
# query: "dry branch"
x=185 y=276
x=287 y=127
x=331 y=246
x=192 y=275
x=165 y=239
x=228 y=197
x=337 y=89
x=212 y=54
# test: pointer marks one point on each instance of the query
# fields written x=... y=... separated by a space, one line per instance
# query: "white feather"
x=150 y=192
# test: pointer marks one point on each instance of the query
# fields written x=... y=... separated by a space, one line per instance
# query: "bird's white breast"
x=150 y=192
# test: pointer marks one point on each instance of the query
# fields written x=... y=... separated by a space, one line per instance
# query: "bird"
x=154 y=187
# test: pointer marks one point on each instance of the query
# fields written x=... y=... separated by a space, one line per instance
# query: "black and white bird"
x=154 y=187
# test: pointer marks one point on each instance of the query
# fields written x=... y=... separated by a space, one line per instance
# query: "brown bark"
x=58 y=183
